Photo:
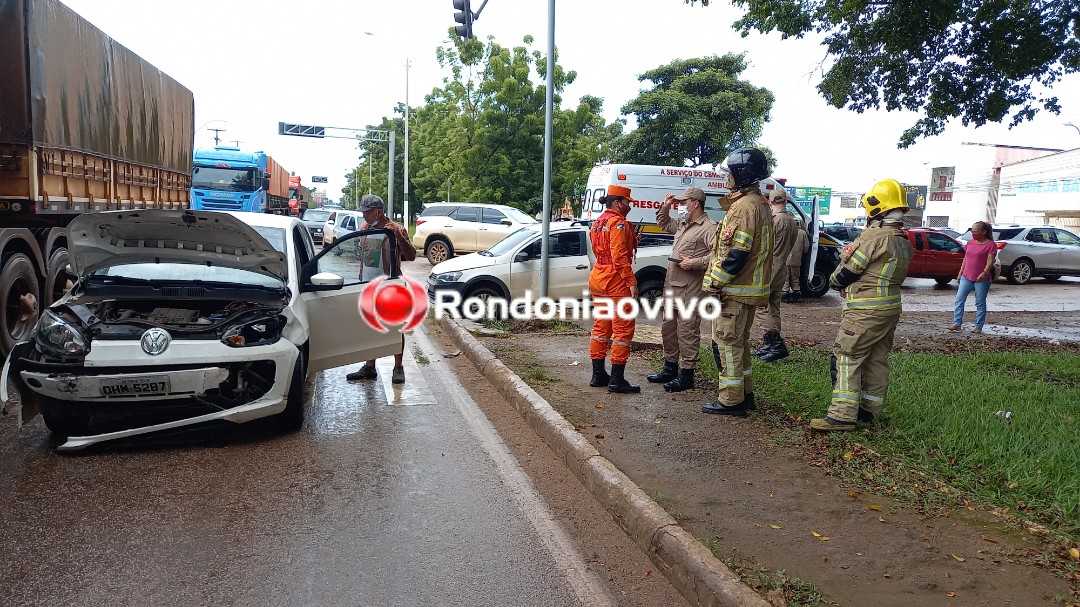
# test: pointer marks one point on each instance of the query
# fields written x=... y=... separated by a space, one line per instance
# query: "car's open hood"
x=100 y=240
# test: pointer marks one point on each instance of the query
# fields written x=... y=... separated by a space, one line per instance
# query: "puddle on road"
x=1058 y=333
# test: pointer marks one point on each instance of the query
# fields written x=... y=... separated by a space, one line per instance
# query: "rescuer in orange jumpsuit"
x=611 y=280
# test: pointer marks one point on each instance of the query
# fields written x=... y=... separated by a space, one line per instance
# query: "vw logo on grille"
x=155 y=341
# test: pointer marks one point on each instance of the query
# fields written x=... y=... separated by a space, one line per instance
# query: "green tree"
x=976 y=60
x=482 y=133
x=698 y=110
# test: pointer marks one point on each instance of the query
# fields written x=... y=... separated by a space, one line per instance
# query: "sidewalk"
x=759 y=504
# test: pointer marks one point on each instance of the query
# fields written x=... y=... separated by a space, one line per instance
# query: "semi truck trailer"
x=85 y=125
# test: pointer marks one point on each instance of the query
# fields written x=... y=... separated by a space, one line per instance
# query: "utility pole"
x=217 y=135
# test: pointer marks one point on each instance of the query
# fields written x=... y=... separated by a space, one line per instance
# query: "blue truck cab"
x=228 y=179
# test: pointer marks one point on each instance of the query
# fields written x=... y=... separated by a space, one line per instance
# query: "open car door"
x=331 y=285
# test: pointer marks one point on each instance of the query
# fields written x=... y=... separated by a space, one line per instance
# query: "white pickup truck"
x=512 y=267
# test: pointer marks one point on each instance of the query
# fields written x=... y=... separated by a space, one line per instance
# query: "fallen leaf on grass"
x=757 y=525
x=987 y=539
x=772 y=493
x=774 y=526
x=648 y=572
x=823 y=538
x=1074 y=553
x=853 y=494
x=880 y=519
x=657 y=422
x=874 y=507
x=599 y=405
x=848 y=455
x=959 y=559
x=950 y=594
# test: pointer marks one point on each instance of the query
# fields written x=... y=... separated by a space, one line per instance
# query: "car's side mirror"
x=506 y=222
x=325 y=281
x=522 y=256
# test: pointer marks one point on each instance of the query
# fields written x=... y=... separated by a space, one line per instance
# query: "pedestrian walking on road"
x=377 y=256
x=611 y=280
x=785 y=233
x=976 y=274
x=695 y=236
x=740 y=275
x=794 y=265
x=869 y=277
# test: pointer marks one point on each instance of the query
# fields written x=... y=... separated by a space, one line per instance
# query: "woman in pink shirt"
x=975 y=275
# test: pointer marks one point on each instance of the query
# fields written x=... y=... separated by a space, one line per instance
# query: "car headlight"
x=58 y=337
x=257 y=332
x=448 y=277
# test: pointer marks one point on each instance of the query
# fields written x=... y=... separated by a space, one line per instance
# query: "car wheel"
x=485 y=293
x=18 y=301
x=1051 y=277
x=1020 y=272
x=943 y=280
x=438 y=251
x=650 y=291
x=292 y=418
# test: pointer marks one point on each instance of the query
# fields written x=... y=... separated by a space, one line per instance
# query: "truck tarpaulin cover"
x=67 y=85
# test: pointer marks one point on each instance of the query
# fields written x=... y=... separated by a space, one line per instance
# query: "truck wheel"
x=438 y=251
x=58 y=280
x=943 y=280
x=651 y=290
x=18 y=300
x=817 y=286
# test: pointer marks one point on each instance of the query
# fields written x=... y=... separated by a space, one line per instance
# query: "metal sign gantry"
x=335 y=132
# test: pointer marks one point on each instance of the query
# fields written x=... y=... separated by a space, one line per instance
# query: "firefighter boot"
x=668 y=373
x=684 y=381
x=600 y=377
x=777 y=348
x=618 y=383
x=766 y=345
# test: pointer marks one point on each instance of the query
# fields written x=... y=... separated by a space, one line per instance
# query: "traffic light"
x=464 y=17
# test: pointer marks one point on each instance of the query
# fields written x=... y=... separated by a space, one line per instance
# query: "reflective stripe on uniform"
x=859 y=260
x=603 y=339
x=871 y=398
x=845 y=396
x=620 y=343
x=873 y=303
x=747 y=290
x=743 y=238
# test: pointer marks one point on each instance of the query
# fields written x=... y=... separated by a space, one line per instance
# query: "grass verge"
x=945 y=442
x=772 y=584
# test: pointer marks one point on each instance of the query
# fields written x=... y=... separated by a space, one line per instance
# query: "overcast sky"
x=253 y=63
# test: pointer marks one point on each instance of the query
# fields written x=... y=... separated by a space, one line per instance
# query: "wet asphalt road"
x=386 y=497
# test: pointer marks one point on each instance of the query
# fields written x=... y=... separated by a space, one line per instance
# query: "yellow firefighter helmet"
x=885 y=196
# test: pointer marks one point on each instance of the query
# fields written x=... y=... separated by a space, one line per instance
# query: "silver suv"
x=446 y=229
x=1027 y=252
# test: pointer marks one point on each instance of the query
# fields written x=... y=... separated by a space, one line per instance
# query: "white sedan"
x=181 y=318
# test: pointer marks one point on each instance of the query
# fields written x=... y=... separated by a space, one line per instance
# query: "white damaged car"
x=181 y=318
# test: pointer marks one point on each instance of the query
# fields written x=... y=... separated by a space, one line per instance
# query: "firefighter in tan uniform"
x=614 y=244
x=871 y=270
x=695 y=237
x=785 y=233
x=740 y=274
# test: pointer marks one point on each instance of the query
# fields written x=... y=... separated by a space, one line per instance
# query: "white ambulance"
x=649 y=184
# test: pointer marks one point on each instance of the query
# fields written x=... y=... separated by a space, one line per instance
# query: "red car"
x=937 y=255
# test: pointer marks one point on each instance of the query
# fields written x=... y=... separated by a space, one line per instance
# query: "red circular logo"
x=386 y=304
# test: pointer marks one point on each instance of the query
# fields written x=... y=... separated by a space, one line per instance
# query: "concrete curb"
x=689 y=566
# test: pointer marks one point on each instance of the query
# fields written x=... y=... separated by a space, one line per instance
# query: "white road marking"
x=586 y=584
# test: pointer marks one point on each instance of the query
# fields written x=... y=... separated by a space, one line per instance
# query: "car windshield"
x=201 y=274
x=519 y=216
x=510 y=242
x=230 y=180
x=316 y=215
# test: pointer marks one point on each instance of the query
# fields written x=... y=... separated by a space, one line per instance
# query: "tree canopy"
x=480 y=136
x=977 y=60
x=698 y=110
